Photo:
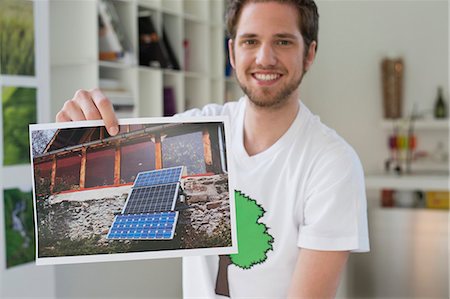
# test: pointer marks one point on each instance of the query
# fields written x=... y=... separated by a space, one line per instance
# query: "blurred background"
x=380 y=79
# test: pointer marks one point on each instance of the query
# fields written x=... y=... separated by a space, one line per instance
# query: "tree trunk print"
x=222 y=276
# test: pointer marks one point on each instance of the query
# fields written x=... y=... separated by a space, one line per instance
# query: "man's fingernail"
x=113 y=130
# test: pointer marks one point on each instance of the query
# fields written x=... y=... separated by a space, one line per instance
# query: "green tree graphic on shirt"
x=254 y=241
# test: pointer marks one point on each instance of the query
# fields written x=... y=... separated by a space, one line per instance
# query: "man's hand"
x=90 y=105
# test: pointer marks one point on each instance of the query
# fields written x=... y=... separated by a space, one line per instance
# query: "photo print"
x=159 y=188
x=19 y=228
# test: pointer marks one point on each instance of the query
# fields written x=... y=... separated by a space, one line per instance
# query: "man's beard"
x=276 y=100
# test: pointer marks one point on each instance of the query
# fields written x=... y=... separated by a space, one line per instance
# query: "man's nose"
x=266 y=55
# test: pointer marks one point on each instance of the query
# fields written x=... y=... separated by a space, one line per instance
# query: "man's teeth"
x=267 y=77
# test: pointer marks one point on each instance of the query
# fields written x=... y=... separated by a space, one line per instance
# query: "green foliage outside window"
x=16 y=37
x=19 y=227
x=19 y=110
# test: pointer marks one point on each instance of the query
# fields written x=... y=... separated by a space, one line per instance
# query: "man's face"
x=268 y=53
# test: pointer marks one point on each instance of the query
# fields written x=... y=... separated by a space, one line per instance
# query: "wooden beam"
x=53 y=176
x=158 y=151
x=83 y=168
x=207 y=149
x=117 y=165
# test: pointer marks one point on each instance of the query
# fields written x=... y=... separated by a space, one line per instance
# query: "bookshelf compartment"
x=173 y=6
x=172 y=36
x=175 y=82
x=150 y=96
x=196 y=46
x=216 y=12
x=217 y=57
x=197 y=92
x=217 y=91
x=154 y=4
x=65 y=48
x=196 y=9
x=120 y=85
x=68 y=80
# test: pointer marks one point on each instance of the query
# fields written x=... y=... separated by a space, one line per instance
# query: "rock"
x=213 y=205
x=198 y=198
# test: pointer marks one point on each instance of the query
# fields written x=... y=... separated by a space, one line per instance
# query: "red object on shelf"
x=186 y=54
x=387 y=198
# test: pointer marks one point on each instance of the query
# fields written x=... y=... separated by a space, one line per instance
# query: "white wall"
x=344 y=88
x=344 y=84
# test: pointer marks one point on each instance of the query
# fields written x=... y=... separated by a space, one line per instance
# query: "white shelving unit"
x=408 y=182
x=200 y=81
x=420 y=124
x=74 y=64
x=426 y=175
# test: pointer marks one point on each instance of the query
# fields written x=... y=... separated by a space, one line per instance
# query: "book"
x=113 y=42
x=151 y=52
x=170 y=105
x=171 y=54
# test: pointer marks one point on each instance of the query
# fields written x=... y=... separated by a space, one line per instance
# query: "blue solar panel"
x=158 y=177
x=146 y=226
x=152 y=199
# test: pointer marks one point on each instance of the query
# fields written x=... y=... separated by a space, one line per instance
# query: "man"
x=308 y=180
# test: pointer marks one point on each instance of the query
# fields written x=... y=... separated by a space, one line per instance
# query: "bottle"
x=440 y=108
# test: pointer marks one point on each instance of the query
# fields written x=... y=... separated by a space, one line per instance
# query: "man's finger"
x=73 y=111
x=62 y=116
x=89 y=108
x=106 y=110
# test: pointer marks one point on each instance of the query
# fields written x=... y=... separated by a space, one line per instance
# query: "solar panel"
x=152 y=199
x=148 y=213
x=158 y=177
x=146 y=226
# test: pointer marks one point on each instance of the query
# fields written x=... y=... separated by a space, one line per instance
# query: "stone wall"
x=209 y=205
x=73 y=218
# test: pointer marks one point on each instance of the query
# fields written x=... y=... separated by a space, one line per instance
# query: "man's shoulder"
x=323 y=141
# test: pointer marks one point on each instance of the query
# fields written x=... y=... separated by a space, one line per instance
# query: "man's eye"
x=249 y=42
x=283 y=42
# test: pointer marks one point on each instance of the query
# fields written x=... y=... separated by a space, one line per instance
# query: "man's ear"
x=231 y=51
x=309 y=58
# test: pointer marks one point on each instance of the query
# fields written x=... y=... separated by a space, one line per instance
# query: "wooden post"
x=83 y=168
x=158 y=151
x=207 y=149
x=117 y=165
x=53 y=177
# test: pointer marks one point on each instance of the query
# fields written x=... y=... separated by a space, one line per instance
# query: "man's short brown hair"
x=307 y=11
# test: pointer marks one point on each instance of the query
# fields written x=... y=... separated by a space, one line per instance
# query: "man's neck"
x=264 y=126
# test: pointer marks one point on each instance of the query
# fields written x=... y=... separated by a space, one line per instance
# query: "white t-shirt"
x=310 y=184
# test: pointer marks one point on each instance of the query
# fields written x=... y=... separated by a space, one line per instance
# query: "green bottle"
x=440 y=108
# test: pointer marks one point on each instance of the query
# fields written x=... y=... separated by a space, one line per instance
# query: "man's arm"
x=317 y=274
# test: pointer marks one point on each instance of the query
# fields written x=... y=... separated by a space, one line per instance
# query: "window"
x=100 y=167
x=17 y=38
x=19 y=110
x=68 y=173
x=42 y=177
x=136 y=157
x=185 y=150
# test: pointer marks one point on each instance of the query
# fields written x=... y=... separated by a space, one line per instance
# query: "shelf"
x=113 y=64
x=421 y=124
x=435 y=181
